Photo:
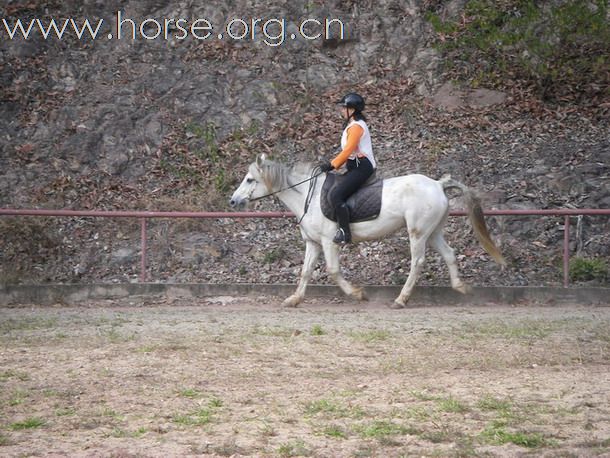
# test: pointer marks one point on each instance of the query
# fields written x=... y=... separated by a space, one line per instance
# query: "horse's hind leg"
x=312 y=252
x=418 y=257
x=438 y=242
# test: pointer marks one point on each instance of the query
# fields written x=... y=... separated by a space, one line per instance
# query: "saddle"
x=364 y=204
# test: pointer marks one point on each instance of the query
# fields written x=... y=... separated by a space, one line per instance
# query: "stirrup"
x=341 y=237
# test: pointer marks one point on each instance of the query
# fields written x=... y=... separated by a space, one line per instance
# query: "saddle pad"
x=364 y=204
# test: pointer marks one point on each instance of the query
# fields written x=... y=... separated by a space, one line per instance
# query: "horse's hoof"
x=397 y=305
x=359 y=295
x=291 y=302
x=464 y=288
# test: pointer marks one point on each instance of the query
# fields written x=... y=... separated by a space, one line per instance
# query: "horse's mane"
x=278 y=176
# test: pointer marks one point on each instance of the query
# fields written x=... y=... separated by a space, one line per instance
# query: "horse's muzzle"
x=237 y=203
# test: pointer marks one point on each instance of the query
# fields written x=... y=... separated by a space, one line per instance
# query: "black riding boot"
x=344 y=234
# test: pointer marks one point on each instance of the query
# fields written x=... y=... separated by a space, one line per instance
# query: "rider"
x=357 y=154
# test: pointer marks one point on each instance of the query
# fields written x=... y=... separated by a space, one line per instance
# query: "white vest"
x=365 y=147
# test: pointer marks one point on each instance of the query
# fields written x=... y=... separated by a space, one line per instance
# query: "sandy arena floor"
x=243 y=377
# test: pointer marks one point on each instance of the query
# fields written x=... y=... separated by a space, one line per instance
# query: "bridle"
x=315 y=173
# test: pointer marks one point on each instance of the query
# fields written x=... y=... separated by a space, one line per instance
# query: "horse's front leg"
x=331 y=254
x=312 y=252
x=418 y=257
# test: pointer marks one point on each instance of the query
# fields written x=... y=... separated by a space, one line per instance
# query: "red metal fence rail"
x=143 y=216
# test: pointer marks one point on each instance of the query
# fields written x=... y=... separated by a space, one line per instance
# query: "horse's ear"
x=260 y=159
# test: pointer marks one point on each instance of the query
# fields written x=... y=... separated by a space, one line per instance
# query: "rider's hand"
x=326 y=166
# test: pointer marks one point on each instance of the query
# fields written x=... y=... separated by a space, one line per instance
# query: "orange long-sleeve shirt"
x=354 y=134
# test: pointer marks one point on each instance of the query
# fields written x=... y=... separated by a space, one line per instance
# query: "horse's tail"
x=476 y=217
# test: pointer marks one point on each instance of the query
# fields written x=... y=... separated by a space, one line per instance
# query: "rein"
x=315 y=173
x=309 y=197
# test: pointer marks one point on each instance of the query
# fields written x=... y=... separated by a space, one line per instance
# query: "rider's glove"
x=326 y=166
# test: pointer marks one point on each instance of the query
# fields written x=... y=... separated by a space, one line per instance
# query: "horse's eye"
x=249 y=180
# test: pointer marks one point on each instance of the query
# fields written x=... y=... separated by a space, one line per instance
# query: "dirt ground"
x=243 y=377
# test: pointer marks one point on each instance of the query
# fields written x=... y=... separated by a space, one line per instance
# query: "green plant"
x=585 y=269
x=253 y=128
x=201 y=416
x=221 y=183
x=317 y=330
x=322 y=406
x=65 y=412
x=294 y=448
x=490 y=403
x=107 y=412
x=397 y=278
x=215 y=403
x=370 y=336
x=438 y=436
x=418 y=413
x=198 y=418
x=190 y=393
x=207 y=133
x=22 y=376
x=29 y=423
x=16 y=401
x=335 y=431
x=114 y=335
x=555 y=47
x=524 y=329
x=497 y=434
x=18 y=398
x=194 y=129
x=274 y=255
x=237 y=135
x=267 y=430
x=331 y=408
x=382 y=428
x=122 y=433
x=451 y=405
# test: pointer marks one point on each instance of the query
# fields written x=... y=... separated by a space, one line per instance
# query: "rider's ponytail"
x=359 y=116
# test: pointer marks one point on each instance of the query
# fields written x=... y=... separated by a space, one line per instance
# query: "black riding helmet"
x=352 y=100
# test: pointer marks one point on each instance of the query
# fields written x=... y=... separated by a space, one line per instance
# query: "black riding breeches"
x=358 y=171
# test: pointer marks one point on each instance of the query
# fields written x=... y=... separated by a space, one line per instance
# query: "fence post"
x=143 y=250
x=566 y=250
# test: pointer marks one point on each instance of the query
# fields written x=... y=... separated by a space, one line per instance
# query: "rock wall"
x=170 y=124
x=104 y=106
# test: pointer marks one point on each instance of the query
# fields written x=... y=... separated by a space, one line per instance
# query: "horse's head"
x=253 y=185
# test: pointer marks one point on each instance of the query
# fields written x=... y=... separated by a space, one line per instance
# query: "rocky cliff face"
x=76 y=107
x=169 y=123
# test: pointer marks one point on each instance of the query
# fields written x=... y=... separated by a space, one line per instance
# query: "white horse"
x=415 y=201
